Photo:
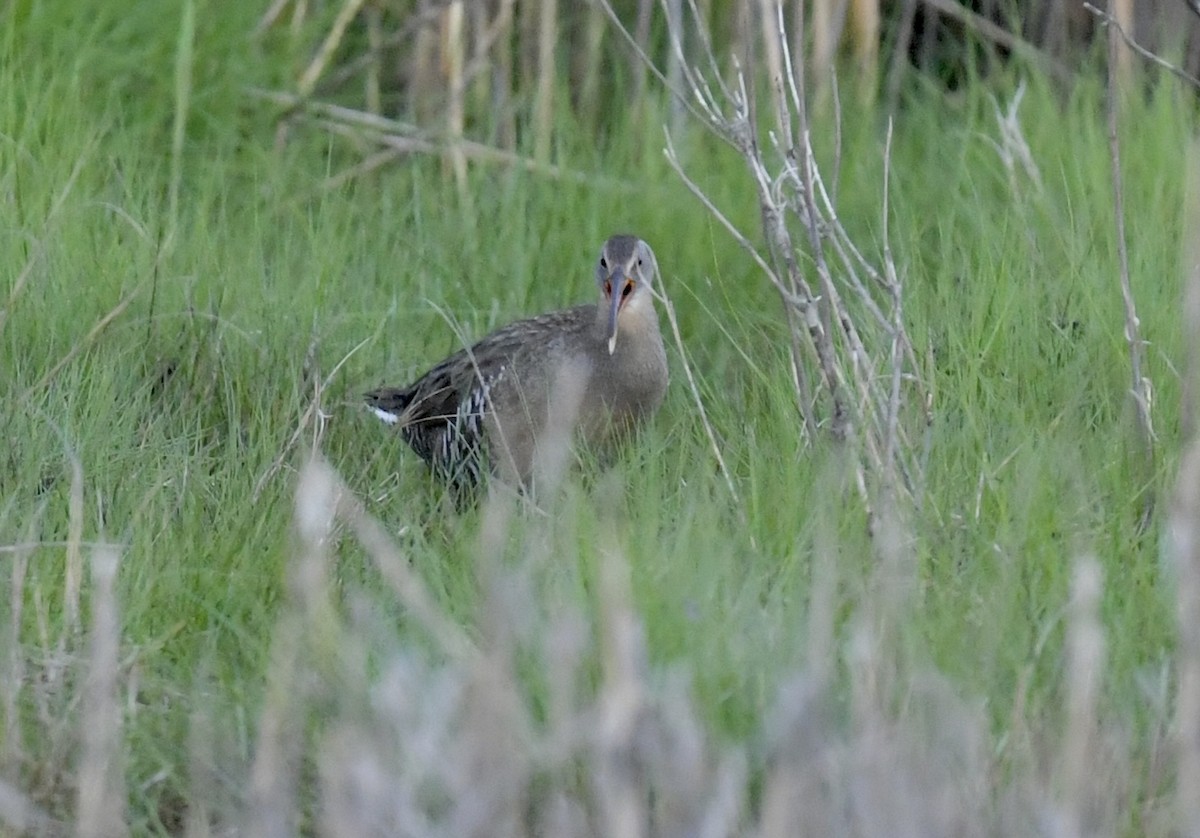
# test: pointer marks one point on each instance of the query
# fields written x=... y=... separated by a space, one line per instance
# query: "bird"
x=484 y=410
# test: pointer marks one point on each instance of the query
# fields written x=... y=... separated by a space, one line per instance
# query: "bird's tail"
x=389 y=403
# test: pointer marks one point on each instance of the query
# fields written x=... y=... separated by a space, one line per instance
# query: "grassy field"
x=173 y=288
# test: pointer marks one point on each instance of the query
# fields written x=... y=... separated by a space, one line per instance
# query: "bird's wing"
x=440 y=414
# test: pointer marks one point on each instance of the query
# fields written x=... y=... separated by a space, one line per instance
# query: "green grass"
x=178 y=407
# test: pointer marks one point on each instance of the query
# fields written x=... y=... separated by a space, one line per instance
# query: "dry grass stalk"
x=694 y=389
x=1012 y=147
x=512 y=730
x=1184 y=530
x=641 y=36
x=506 y=128
x=1085 y=668
x=273 y=805
x=481 y=80
x=543 y=100
x=102 y=796
x=423 y=82
x=73 y=578
x=1185 y=542
x=674 y=12
x=866 y=26
x=825 y=35
x=1140 y=388
x=316 y=68
x=1122 y=14
x=588 y=59
x=453 y=52
x=373 y=91
x=399 y=139
x=13 y=676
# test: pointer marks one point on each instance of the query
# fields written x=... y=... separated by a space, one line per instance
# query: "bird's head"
x=624 y=274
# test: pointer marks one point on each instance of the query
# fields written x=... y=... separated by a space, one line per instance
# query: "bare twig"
x=402 y=138
x=1140 y=388
x=308 y=79
x=802 y=305
x=271 y=16
x=73 y=577
x=1111 y=22
x=844 y=314
x=892 y=415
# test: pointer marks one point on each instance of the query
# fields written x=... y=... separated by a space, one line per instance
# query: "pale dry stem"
x=101 y=805
x=1085 y=651
x=1183 y=528
x=848 y=318
x=312 y=73
x=1140 y=387
x=401 y=138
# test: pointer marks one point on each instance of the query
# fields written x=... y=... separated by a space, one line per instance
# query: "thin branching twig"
x=1109 y=21
x=845 y=315
x=1140 y=388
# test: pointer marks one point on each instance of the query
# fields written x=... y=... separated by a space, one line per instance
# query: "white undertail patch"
x=386 y=416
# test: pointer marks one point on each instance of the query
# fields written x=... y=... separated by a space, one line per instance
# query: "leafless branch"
x=1111 y=22
x=401 y=138
x=844 y=314
x=1140 y=388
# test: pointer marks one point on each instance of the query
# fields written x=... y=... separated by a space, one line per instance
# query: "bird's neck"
x=636 y=321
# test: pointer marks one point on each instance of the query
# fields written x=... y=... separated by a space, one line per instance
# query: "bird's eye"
x=639 y=262
x=603 y=264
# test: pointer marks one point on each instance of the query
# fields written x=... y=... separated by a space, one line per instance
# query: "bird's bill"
x=616 y=284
